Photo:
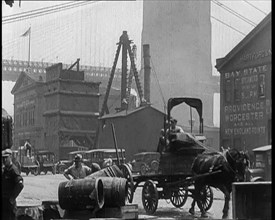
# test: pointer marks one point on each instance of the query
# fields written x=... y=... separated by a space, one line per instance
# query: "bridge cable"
x=235 y=29
x=234 y=13
x=35 y=10
x=46 y=12
x=255 y=7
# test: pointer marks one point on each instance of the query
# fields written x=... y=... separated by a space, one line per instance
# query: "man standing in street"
x=12 y=185
x=77 y=170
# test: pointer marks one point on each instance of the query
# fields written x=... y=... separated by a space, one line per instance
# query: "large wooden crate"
x=123 y=212
x=251 y=200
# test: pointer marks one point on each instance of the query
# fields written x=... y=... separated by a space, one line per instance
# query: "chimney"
x=147 y=72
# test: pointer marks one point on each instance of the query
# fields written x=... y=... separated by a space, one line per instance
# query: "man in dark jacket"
x=12 y=185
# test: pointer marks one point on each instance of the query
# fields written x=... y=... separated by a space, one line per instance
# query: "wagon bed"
x=173 y=182
x=176 y=188
x=174 y=176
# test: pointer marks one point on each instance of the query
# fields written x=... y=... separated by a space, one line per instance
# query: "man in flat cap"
x=12 y=185
x=77 y=170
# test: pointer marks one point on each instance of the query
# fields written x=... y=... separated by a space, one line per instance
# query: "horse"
x=230 y=166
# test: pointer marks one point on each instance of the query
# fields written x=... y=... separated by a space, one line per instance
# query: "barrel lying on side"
x=111 y=171
x=114 y=184
x=81 y=194
x=115 y=191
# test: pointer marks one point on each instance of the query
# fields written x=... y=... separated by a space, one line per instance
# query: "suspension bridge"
x=89 y=30
x=11 y=69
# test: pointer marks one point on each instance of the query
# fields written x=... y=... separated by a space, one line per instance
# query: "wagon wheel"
x=150 y=197
x=127 y=173
x=61 y=169
x=206 y=194
x=179 y=197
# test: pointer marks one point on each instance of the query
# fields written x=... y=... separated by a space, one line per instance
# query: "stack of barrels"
x=84 y=197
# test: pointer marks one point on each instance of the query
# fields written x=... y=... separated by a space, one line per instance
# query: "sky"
x=103 y=23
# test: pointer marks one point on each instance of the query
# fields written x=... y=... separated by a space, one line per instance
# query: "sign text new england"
x=248 y=113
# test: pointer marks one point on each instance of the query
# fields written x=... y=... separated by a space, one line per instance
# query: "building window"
x=22 y=119
x=28 y=118
x=17 y=120
x=237 y=89
x=25 y=118
x=228 y=91
x=269 y=131
x=33 y=116
x=261 y=90
x=216 y=109
x=19 y=123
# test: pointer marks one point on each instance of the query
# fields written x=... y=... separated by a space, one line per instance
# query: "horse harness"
x=234 y=171
x=212 y=167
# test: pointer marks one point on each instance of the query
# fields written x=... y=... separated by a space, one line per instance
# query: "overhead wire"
x=48 y=32
x=67 y=4
x=238 y=15
x=35 y=10
x=45 y=12
x=255 y=7
x=235 y=29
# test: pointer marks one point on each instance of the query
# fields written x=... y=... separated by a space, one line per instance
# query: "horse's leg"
x=197 y=198
x=226 y=192
x=192 y=209
x=203 y=212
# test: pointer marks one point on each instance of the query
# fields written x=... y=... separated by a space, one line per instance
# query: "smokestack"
x=147 y=72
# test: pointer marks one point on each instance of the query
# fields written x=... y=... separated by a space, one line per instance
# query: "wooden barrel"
x=115 y=191
x=81 y=194
x=111 y=171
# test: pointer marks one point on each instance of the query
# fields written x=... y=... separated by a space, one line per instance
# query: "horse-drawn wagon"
x=186 y=169
x=174 y=177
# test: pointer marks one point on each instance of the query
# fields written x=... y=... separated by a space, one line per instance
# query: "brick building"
x=245 y=110
x=55 y=109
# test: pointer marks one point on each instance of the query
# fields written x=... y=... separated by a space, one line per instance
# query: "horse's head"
x=238 y=161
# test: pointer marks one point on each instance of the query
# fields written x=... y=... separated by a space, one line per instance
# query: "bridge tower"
x=179 y=35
